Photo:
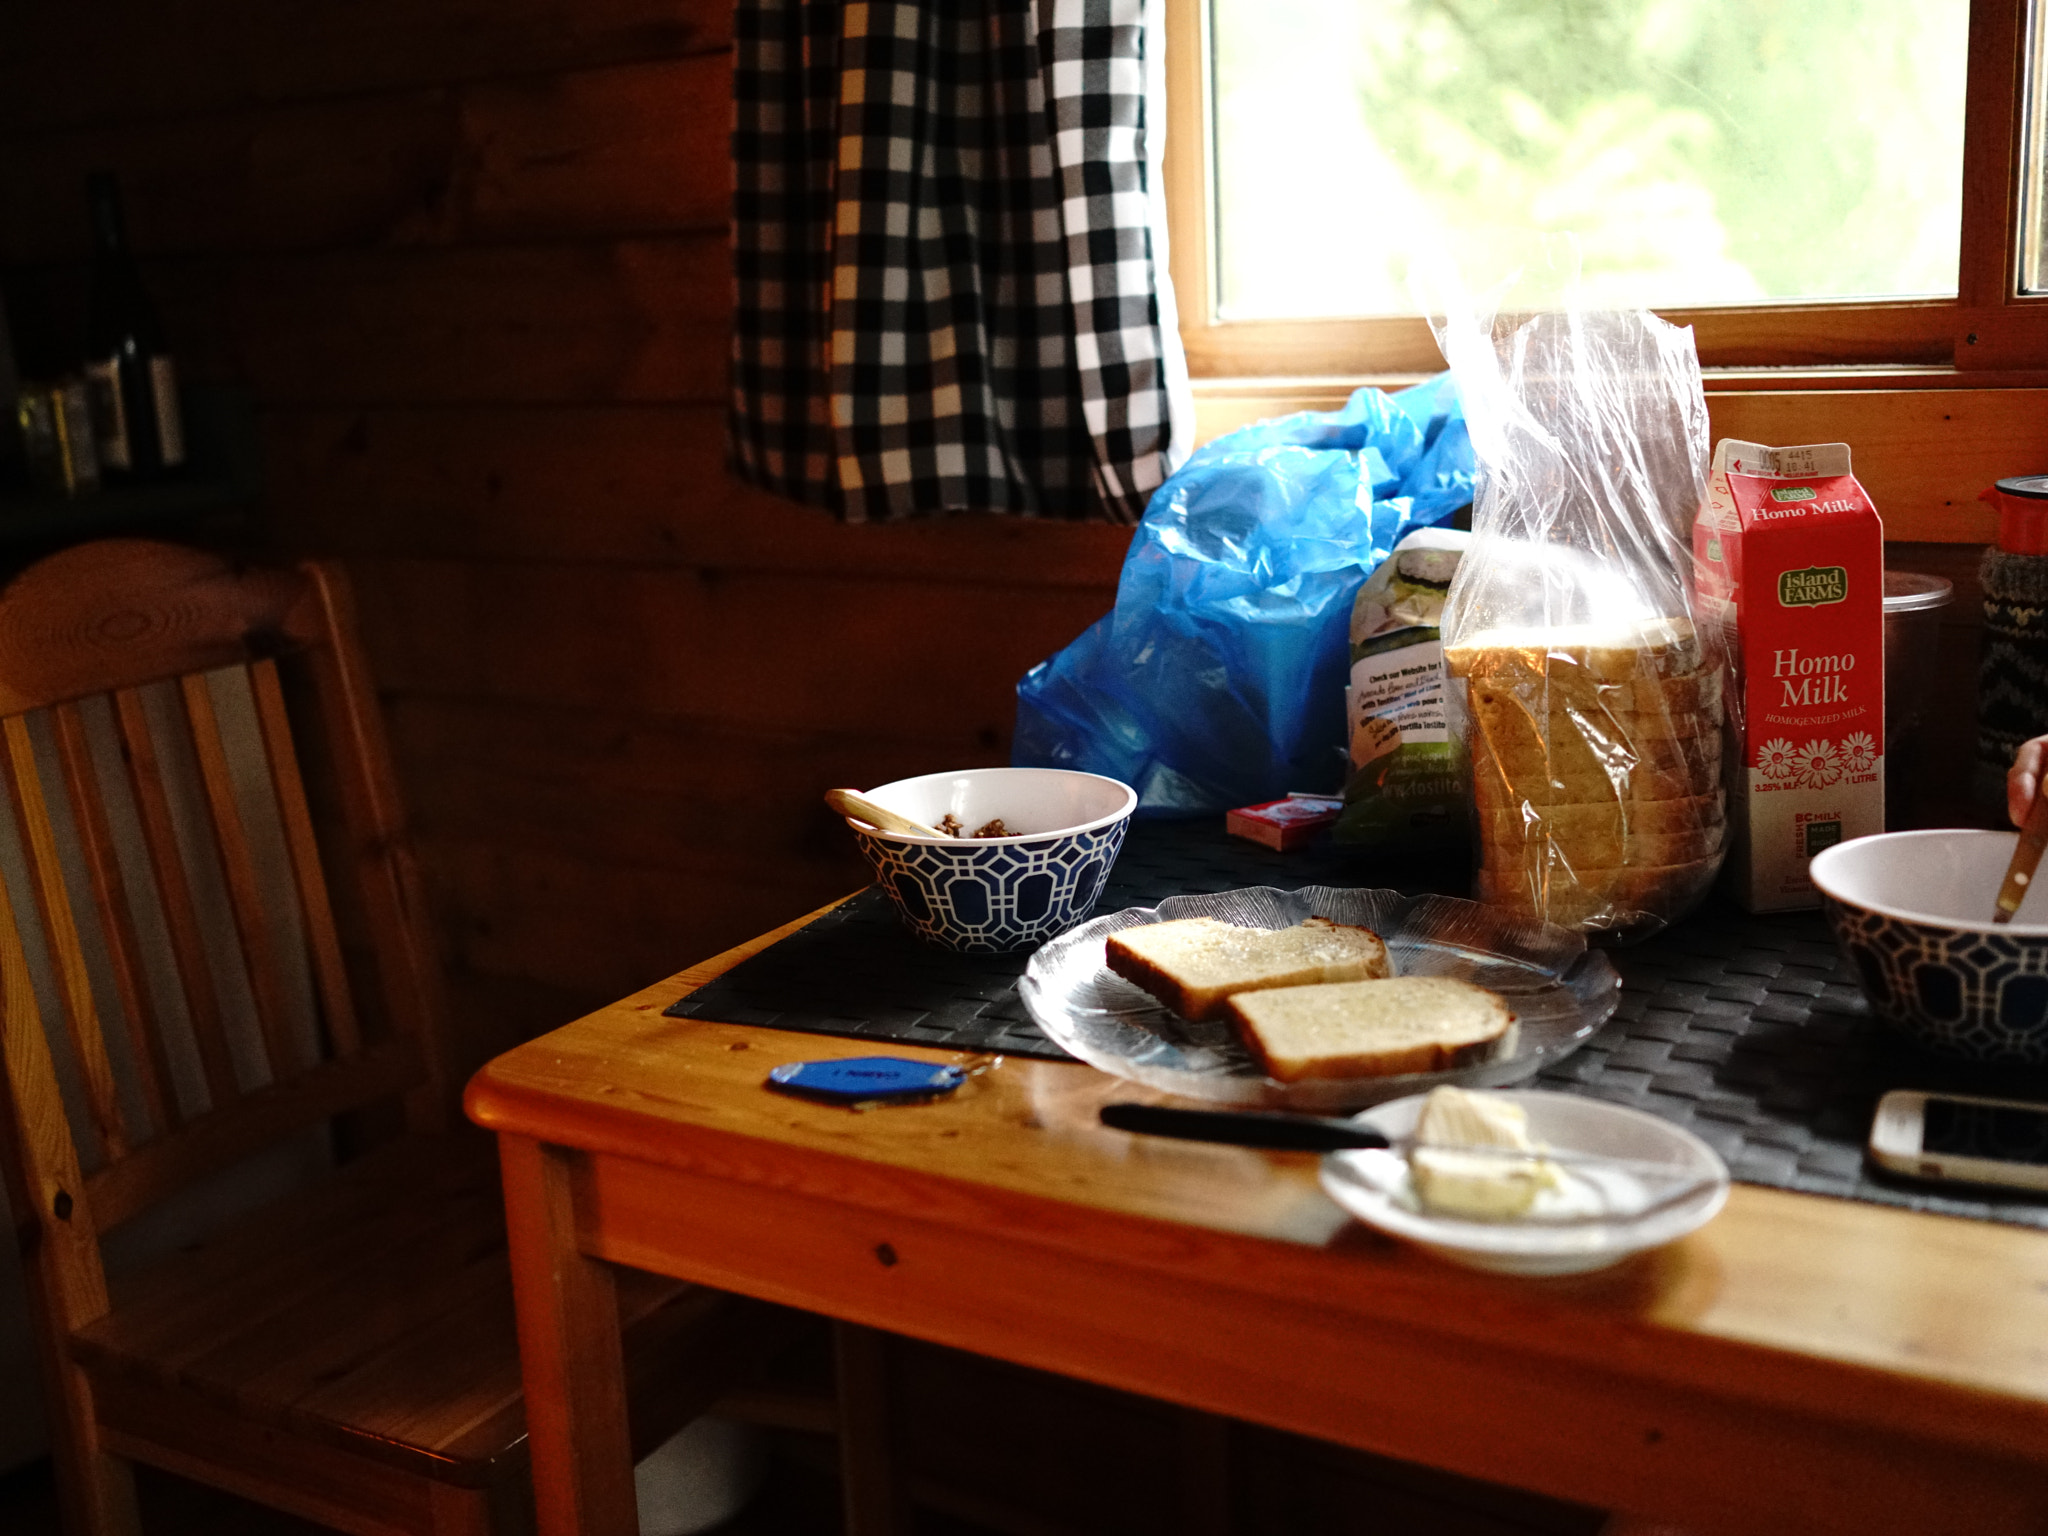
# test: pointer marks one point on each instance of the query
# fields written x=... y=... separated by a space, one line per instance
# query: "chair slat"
x=261 y=951
x=117 y=921
x=213 y=1141
x=338 y=1007
x=393 y=905
x=60 y=935
x=174 y=891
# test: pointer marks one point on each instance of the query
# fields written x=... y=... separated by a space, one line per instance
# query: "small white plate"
x=1560 y=990
x=1589 y=1222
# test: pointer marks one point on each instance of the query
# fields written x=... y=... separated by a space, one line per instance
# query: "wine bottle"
x=135 y=387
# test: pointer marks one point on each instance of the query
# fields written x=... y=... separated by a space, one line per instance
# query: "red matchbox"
x=1283 y=824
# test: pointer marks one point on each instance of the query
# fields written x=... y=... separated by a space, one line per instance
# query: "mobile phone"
x=1970 y=1140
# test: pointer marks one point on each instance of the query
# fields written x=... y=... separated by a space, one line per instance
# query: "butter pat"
x=1454 y=1176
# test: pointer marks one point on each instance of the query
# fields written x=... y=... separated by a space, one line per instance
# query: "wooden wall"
x=470 y=257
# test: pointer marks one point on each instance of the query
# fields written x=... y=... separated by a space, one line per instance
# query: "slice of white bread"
x=1195 y=964
x=1608 y=653
x=1514 y=686
x=1371 y=1028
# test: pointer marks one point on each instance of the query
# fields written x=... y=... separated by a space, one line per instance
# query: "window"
x=1822 y=186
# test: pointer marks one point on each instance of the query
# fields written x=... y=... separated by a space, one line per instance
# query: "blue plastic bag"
x=1218 y=678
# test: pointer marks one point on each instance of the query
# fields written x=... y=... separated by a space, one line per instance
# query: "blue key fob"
x=866 y=1079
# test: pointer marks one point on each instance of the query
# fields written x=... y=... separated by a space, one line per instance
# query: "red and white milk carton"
x=1789 y=553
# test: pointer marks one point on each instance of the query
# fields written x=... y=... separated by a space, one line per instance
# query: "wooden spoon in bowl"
x=851 y=802
x=2026 y=856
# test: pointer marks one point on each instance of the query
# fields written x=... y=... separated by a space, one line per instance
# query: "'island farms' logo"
x=1793 y=493
x=1812 y=587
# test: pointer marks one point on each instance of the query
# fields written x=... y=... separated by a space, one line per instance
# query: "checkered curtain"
x=949 y=260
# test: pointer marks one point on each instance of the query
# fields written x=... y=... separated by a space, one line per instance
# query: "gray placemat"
x=1749 y=1031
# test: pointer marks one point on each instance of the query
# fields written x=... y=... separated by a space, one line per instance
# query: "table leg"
x=569 y=1351
x=871 y=1491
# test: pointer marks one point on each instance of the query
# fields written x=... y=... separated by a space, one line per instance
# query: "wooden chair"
x=347 y=1354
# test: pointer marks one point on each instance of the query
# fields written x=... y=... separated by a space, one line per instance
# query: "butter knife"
x=2026 y=856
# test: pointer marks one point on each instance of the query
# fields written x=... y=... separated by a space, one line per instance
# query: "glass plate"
x=1657 y=1157
x=1560 y=990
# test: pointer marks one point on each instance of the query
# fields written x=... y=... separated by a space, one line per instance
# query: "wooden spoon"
x=2026 y=856
x=857 y=806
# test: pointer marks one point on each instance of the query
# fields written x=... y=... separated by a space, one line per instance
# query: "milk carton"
x=1789 y=555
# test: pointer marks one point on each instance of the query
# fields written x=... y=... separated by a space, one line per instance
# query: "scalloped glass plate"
x=1560 y=990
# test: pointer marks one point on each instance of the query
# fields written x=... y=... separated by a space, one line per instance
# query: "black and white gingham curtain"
x=949 y=260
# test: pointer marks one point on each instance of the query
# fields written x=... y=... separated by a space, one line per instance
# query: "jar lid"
x=2033 y=487
x=1911 y=592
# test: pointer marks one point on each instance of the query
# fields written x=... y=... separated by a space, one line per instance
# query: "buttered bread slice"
x=1371 y=1028
x=1195 y=965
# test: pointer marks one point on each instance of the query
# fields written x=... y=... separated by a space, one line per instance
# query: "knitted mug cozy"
x=2012 y=699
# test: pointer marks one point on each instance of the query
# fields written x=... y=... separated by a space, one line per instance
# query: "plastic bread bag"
x=1591 y=704
x=1406 y=786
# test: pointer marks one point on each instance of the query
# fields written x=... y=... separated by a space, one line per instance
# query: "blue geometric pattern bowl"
x=1911 y=911
x=993 y=894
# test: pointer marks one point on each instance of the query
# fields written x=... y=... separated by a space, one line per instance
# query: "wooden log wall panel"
x=624 y=485
x=593 y=927
x=755 y=649
x=601 y=321
x=637 y=788
x=123 y=60
x=632 y=148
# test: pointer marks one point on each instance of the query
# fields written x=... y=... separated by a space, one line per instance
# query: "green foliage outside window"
x=1703 y=151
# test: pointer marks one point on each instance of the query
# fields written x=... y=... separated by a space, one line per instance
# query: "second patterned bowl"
x=1912 y=911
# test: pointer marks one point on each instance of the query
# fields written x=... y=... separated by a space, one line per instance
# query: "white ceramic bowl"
x=999 y=893
x=1912 y=911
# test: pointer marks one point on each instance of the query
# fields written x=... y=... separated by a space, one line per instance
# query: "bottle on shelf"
x=135 y=389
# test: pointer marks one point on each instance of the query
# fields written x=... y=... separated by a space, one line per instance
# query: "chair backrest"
x=163 y=879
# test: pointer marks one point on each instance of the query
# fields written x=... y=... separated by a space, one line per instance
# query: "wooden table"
x=1800 y=1364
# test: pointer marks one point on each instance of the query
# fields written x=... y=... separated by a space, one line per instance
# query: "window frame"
x=1989 y=334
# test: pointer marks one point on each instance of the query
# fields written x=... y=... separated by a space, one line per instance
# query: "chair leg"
x=872 y=1494
x=95 y=1488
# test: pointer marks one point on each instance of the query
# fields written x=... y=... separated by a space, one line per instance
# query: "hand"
x=2023 y=779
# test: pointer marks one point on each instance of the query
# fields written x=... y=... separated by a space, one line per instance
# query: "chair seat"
x=374 y=1314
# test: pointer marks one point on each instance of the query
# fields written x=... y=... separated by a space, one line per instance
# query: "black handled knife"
x=1244 y=1127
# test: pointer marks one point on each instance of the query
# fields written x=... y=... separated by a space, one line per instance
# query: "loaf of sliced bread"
x=1542 y=846
x=1195 y=964
x=1371 y=1028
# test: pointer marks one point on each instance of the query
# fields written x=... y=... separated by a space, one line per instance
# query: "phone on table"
x=1957 y=1137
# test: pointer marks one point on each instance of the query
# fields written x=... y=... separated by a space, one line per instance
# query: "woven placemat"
x=1749 y=1031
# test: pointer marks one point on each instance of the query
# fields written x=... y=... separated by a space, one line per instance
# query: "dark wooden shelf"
x=215 y=492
